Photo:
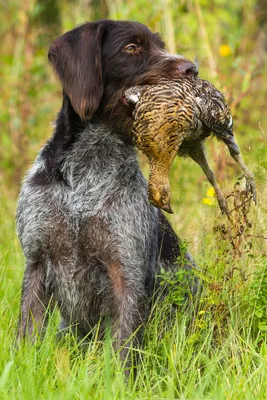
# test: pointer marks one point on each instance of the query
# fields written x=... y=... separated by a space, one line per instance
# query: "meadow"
x=215 y=345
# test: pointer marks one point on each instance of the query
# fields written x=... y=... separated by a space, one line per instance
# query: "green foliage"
x=257 y=300
x=181 y=283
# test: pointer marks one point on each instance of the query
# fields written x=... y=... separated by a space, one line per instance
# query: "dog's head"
x=97 y=62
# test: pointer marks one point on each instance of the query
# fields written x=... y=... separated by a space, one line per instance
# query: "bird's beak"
x=167 y=208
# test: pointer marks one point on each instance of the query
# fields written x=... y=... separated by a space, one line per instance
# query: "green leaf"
x=259 y=313
x=262 y=327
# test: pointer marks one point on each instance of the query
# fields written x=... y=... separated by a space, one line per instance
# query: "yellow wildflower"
x=210 y=192
x=207 y=201
x=209 y=196
x=225 y=50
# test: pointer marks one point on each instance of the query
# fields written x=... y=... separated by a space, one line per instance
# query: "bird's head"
x=159 y=195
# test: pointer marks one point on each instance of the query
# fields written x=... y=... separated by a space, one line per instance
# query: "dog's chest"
x=99 y=215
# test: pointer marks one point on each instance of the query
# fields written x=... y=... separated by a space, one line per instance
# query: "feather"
x=174 y=118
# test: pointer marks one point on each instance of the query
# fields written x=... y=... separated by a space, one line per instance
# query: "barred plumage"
x=174 y=118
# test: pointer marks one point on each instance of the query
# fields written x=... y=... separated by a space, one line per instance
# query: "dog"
x=93 y=243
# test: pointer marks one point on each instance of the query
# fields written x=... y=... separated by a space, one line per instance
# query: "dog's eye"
x=130 y=48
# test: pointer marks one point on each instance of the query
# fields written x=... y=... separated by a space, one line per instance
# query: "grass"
x=172 y=365
x=215 y=347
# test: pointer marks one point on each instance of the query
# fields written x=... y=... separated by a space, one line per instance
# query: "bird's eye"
x=130 y=48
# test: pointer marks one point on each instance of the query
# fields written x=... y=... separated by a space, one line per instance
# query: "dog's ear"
x=76 y=59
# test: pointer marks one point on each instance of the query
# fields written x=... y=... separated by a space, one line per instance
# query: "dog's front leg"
x=34 y=301
x=128 y=310
x=127 y=329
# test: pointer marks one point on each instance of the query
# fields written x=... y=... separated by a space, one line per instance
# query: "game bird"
x=174 y=117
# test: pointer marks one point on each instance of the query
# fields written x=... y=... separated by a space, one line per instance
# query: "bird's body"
x=174 y=118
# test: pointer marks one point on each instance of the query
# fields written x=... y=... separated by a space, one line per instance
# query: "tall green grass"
x=212 y=347
x=173 y=364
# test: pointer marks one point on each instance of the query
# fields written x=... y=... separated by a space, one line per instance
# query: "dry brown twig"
x=236 y=231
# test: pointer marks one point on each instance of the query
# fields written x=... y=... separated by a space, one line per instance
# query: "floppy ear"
x=76 y=59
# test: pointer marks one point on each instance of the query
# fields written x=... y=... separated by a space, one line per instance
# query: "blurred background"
x=229 y=40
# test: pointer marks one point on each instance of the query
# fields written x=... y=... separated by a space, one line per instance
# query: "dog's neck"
x=95 y=152
x=98 y=142
x=83 y=144
x=69 y=125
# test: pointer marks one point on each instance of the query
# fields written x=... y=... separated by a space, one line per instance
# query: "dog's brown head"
x=97 y=62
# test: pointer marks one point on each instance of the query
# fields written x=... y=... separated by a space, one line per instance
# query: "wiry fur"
x=92 y=241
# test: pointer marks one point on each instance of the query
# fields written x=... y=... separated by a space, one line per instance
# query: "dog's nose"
x=187 y=68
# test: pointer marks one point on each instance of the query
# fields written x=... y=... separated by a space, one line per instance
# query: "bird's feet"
x=251 y=187
x=223 y=206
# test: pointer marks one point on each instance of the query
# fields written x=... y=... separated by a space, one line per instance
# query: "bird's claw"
x=251 y=187
x=224 y=208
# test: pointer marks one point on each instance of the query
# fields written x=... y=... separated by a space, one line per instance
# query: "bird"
x=174 y=118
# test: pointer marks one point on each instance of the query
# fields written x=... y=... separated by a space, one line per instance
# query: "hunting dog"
x=92 y=241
